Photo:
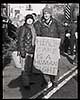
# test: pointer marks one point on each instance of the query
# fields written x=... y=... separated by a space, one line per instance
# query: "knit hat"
x=29 y=16
x=47 y=9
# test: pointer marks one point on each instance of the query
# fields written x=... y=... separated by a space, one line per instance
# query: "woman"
x=26 y=39
x=49 y=27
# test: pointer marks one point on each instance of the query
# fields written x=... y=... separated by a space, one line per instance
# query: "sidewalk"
x=12 y=86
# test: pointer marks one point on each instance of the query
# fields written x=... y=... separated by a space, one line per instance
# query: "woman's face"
x=29 y=21
x=46 y=15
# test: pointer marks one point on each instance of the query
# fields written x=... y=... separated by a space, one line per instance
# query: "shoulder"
x=24 y=27
x=58 y=23
x=37 y=24
x=20 y=28
x=54 y=20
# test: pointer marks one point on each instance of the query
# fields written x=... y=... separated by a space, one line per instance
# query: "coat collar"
x=48 y=25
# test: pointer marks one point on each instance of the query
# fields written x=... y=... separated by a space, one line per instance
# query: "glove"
x=68 y=35
x=76 y=35
x=66 y=24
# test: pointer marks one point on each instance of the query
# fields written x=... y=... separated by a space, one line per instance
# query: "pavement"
x=13 y=89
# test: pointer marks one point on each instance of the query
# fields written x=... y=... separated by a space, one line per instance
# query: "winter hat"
x=47 y=9
x=29 y=16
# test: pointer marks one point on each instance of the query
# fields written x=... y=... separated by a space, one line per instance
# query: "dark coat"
x=55 y=29
x=24 y=43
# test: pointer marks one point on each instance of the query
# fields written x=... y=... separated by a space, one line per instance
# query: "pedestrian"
x=74 y=31
x=26 y=42
x=50 y=27
x=73 y=27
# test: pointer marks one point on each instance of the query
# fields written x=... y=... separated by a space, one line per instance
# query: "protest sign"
x=47 y=55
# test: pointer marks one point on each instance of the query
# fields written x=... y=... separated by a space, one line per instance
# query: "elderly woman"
x=49 y=27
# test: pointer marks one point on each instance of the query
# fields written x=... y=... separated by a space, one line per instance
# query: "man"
x=49 y=27
x=25 y=43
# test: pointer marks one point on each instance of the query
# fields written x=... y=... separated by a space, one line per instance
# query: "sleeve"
x=22 y=43
x=17 y=43
x=61 y=32
x=37 y=26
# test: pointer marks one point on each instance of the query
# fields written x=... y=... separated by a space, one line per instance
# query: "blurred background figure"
x=37 y=23
x=76 y=27
x=11 y=30
x=71 y=13
x=73 y=26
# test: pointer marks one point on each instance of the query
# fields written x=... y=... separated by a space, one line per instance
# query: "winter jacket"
x=54 y=29
x=24 y=43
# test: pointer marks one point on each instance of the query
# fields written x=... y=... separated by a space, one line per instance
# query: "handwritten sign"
x=47 y=55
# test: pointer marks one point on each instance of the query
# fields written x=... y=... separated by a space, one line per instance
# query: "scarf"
x=33 y=34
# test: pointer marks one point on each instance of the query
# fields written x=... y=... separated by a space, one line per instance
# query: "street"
x=67 y=87
x=68 y=91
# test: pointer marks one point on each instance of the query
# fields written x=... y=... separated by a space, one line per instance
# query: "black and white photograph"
x=40 y=50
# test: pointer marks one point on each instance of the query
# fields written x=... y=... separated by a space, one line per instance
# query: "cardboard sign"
x=47 y=55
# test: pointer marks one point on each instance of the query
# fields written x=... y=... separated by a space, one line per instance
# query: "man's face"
x=47 y=15
x=29 y=21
